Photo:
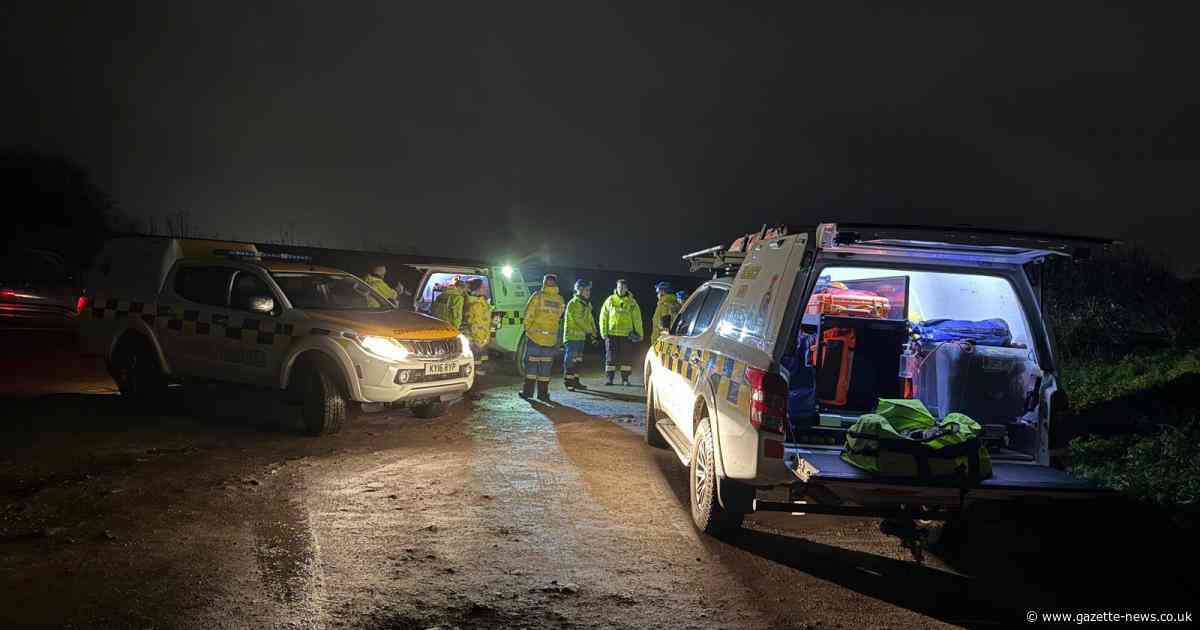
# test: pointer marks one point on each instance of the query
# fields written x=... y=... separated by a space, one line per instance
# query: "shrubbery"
x=1163 y=468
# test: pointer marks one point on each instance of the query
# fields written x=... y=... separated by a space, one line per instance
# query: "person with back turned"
x=375 y=279
x=621 y=328
x=448 y=305
x=477 y=322
x=665 y=311
x=542 y=313
x=579 y=328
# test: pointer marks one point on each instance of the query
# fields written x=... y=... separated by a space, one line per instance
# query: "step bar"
x=675 y=438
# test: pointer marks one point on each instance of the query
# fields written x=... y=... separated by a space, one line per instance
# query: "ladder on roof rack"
x=716 y=259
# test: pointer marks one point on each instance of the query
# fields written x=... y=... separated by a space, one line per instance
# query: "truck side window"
x=247 y=285
x=683 y=321
x=712 y=303
x=204 y=285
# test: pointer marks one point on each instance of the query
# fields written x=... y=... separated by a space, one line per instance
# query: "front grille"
x=440 y=349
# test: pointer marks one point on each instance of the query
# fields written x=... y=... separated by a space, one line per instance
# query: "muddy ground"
x=215 y=513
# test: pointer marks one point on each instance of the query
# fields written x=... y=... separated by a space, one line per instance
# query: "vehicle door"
x=667 y=369
x=694 y=357
x=434 y=278
x=192 y=321
x=509 y=296
x=255 y=336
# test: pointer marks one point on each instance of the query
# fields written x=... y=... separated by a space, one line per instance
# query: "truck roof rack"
x=717 y=259
x=972 y=235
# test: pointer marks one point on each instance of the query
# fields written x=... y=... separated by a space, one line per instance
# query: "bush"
x=1108 y=306
x=1163 y=468
x=1090 y=383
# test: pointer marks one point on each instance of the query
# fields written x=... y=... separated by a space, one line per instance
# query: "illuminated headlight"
x=384 y=348
x=507 y=270
x=466 y=345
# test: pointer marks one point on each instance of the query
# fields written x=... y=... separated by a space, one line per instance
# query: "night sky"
x=615 y=136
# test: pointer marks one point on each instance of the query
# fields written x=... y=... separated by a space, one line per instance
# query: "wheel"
x=324 y=406
x=707 y=513
x=653 y=437
x=136 y=371
x=430 y=410
x=519 y=356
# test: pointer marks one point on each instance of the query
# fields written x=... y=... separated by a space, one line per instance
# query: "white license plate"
x=437 y=369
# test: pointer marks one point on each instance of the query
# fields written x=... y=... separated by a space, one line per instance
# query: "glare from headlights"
x=384 y=348
x=466 y=345
x=507 y=270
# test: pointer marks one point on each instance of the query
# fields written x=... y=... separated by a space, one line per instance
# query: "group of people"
x=464 y=304
x=620 y=328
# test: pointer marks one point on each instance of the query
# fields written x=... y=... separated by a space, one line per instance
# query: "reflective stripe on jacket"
x=542 y=312
x=620 y=316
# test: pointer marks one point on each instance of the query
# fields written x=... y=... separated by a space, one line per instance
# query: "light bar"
x=233 y=253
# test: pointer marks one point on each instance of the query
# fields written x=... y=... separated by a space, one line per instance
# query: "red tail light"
x=81 y=304
x=768 y=400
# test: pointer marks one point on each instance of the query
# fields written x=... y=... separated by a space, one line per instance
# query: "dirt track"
x=504 y=513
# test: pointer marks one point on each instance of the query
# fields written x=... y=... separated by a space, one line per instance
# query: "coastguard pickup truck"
x=162 y=310
x=801 y=331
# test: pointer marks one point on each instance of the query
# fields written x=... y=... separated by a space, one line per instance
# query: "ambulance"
x=163 y=310
x=505 y=289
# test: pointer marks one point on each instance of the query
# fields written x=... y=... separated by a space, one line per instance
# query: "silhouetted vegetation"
x=53 y=203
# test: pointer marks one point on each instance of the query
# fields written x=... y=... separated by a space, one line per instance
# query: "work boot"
x=527 y=390
x=608 y=377
x=575 y=384
x=543 y=391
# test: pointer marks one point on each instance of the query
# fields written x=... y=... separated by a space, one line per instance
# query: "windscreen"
x=329 y=292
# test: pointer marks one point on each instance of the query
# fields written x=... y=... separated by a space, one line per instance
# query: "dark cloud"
x=591 y=134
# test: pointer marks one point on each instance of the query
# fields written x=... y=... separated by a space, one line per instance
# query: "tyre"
x=519 y=356
x=324 y=405
x=707 y=514
x=135 y=369
x=653 y=437
x=430 y=410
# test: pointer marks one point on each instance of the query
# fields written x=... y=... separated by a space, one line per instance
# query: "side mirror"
x=264 y=304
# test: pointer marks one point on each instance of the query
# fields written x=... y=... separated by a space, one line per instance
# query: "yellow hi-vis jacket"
x=579 y=322
x=448 y=306
x=478 y=316
x=620 y=316
x=667 y=309
x=542 y=312
x=381 y=287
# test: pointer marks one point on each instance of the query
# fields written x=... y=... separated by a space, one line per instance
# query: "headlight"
x=466 y=345
x=384 y=348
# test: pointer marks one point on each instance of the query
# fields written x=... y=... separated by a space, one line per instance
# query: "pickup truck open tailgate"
x=823 y=472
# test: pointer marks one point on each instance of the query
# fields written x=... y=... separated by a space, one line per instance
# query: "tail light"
x=81 y=304
x=768 y=400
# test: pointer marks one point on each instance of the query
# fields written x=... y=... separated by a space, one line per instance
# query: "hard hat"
x=682 y=295
x=550 y=276
x=581 y=284
x=663 y=286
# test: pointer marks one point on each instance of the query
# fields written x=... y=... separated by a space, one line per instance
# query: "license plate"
x=437 y=369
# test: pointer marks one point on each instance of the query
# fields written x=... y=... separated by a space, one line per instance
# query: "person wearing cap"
x=375 y=279
x=682 y=296
x=579 y=328
x=477 y=322
x=448 y=305
x=664 y=312
x=542 y=314
x=621 y=328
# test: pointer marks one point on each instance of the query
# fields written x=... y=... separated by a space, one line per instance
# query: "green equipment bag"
x=901 y=439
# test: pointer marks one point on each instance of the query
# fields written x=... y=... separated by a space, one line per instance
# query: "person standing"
x=579 y=328
x=375 y=279
x=542 y=314
x=664 y=312
x=448 y=305
x=477 y=322
x=621 y=328
x=682 y=296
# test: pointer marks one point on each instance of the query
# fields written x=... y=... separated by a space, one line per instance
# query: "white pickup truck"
x=160 y=310
x=738 y=389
